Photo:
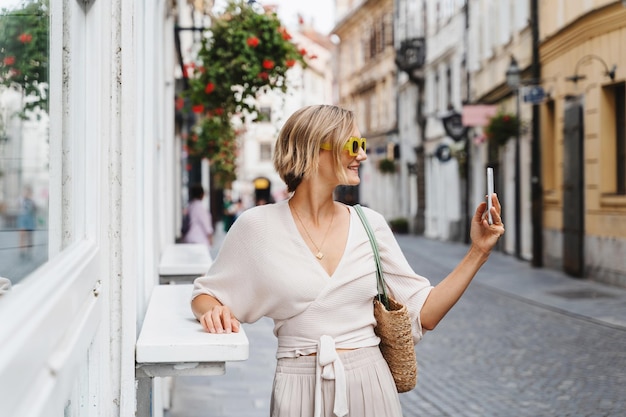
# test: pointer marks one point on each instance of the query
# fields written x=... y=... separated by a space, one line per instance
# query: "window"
x=24 y=139
x=265 y=152
x=613 y=143
x=72 y=178
x=548 y=147
x=372 y=42
x=620 y=137
x=265 y=114
x=436 y=94
x=449 y=105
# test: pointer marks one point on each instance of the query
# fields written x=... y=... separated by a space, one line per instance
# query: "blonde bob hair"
x=298 y=146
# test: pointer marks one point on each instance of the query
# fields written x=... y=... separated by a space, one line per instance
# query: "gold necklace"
x=319 y=255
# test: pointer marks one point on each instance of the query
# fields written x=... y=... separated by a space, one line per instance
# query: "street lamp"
x=513 y=80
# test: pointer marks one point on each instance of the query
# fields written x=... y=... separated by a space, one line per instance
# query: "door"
x=573 y=188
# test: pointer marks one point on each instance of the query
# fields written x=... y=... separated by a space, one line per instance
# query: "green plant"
x=242 y=54
x=24 y=52
x=502 y=127
x=387 y=166
x=399 y=225
x=214 y=138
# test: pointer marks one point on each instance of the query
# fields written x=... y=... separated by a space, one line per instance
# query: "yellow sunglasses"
x=352 y=145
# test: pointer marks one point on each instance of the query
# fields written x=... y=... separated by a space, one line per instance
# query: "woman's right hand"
x=214 y=317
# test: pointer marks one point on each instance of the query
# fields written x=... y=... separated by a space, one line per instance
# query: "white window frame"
x=57 y=314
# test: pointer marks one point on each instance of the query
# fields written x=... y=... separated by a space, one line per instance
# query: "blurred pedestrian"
x=26 y=222
x=232 y=209
x=200 y=223
x=307 y=263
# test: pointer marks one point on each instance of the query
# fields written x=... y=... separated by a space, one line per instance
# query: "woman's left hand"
x=484 y=235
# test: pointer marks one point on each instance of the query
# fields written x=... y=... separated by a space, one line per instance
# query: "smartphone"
x=490 y=192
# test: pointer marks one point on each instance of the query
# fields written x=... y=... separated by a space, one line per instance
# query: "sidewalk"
x=542 y=286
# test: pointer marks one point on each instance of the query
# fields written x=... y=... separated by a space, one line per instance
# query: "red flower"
x=313 y=56
x=506 y=118
x=25 y=37
x=286 y=35
x=198 y=108
x=9 y=60
x=263 y=75
x=209 y=88
x=219 y=111
x=290 y=63
x=268 y=64
x=253 y=41
x=302 y=51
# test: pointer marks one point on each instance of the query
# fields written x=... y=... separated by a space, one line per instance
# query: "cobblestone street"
x=510 y=347
x=494 y=355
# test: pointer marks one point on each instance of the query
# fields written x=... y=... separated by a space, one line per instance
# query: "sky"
x=320 y=13
x=8 y=3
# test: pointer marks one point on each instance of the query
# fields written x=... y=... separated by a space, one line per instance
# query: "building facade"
x=366 y=83
x=583 y=138
x=69 y=329
x=444 y=76
x=493 y=43
x=410 y=45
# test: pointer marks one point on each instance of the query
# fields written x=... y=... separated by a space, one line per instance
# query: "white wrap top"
x=264 y=268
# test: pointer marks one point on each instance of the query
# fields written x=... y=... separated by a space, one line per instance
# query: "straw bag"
x=393 y=325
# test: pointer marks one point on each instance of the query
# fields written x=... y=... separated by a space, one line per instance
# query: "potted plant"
x=399 y=225
x=213 y=138
x=502 y=127
x=242 y=54
x=387 y=166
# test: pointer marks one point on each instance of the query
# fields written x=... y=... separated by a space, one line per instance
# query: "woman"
x=307 y=263
x=200 y=223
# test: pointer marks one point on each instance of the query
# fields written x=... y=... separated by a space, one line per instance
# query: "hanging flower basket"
x=387 y=166
x=501 y=128
x=243 y=53
x=213 y=138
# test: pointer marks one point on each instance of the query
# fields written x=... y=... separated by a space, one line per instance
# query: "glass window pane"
x=24 y=138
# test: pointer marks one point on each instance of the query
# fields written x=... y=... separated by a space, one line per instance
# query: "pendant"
x=319 y=255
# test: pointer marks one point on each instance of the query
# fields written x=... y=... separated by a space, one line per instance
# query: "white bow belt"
x=329 y=366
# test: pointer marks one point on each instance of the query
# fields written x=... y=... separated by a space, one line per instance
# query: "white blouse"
x=264 y=268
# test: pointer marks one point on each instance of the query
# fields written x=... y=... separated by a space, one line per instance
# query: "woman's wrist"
x=479 y=252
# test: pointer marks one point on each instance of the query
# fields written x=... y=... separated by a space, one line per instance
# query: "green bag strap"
x=382 y=290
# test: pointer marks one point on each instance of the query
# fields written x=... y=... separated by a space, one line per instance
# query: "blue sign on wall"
x=534 y=94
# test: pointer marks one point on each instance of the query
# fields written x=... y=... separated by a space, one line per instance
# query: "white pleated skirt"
x=371 y=390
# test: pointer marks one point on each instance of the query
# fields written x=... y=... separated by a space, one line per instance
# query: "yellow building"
x=583 y=136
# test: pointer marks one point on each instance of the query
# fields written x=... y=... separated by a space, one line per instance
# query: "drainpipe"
x=536 y=181
x=467 y=216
